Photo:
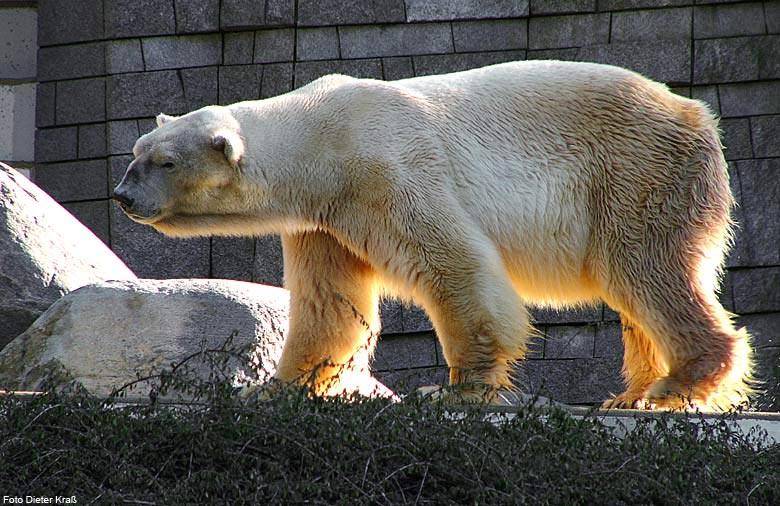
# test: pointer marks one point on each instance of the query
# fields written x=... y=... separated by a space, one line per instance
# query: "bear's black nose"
x=123 y=199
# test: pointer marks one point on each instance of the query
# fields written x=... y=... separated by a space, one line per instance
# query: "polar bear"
x=473 y=194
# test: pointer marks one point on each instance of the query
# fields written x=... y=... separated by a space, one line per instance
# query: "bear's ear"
x=231 y=144
x=164 y=118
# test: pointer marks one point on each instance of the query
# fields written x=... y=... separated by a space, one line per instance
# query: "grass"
x=297 y=450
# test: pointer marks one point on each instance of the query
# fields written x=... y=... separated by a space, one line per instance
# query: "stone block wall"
x=106 y=67
x=18 y=49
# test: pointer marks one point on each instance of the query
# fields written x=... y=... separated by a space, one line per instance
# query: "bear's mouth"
x=134 y=215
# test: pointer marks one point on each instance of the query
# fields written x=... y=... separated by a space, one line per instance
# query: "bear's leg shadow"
x=334 y=315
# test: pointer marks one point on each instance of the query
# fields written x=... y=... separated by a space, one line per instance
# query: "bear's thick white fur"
x=473 y=194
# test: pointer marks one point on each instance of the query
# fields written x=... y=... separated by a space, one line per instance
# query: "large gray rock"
x=44 y=253
x=105 y=335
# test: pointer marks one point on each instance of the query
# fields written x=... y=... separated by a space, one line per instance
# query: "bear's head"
x=188 y=166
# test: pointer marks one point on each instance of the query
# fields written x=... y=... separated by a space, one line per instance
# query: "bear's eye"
x=167 y=165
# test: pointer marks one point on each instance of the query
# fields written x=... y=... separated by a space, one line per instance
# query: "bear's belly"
x=547 y=272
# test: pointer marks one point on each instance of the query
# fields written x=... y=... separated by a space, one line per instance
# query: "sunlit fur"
x=474 y=194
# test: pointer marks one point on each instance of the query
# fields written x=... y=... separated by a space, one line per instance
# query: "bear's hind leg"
x=708 y=360
x=334 y=318
x=642 y=366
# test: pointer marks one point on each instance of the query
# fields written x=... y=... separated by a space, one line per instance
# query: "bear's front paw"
x=628 y=400
x=673 y=394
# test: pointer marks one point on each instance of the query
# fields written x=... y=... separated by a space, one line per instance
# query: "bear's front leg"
x=482 y=324
x=334 y=320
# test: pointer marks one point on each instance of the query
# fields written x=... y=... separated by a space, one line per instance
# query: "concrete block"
x=615 y=5
x=415 y=319
x=139 y=18
x=755 y=290
x=728 y=20
x=152 y=255
x=766 y=132
x=144 y=95
x=759 y=234
x=544 y=316
x=568 y=31
x=664 y=61
x=448 y=10
x=82 y=180
x=201 y=87
x=395 y=40
x=81 y=101
x=197 y=16
x=772 y=14
x=56 y=144
x=237 y=14
x=17 y=111
x=239 y=82
x=232 y=257
x=92 y=141
x=553 y=54
x=583 y=381
x=71 y=62
x=280 y=12
x=561 y=6
x=768 y=60
x=277 y=79
x=739 y=255
x=305 y=72
x=146 y=125
x=122 y=136
x=763 y=327
x=162 y=53
x=317 y=44
x=708 y=95
x=568 y=341
x=124 y=56
x=608 y=340
x=349 y=12
x=736 y=138
x=44 y=104
x=18 y=43
x=726 y=292
x=238 y=48
x=726 y=60
x=117 y=166
x=243 y=14
x=498 y=35
x=277 y=45
x=391 y=314
x=610 y=315
x=404 y=352
x=441 y=64
x=268 y=264
x=397 y=68
x=749 y=99
x=658 y=24
x=57 y=19
x=93 y=214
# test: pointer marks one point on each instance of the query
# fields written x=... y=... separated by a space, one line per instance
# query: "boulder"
x=106 y=335
x=44 y=253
